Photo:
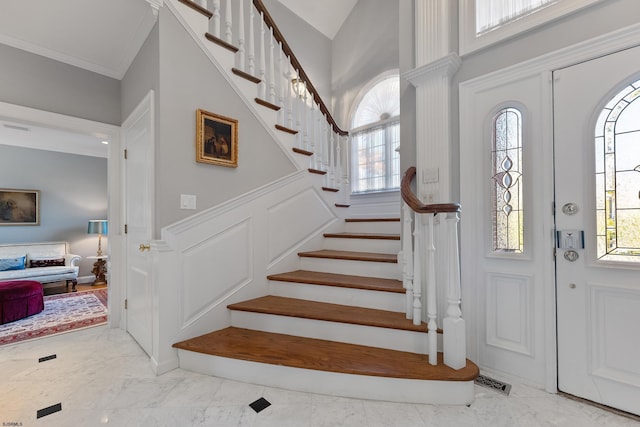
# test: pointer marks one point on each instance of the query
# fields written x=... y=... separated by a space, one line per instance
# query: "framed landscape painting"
x=19 y=207
x=216 y=139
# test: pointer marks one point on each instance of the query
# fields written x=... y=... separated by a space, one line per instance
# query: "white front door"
x=139 y=188
x=597 y=181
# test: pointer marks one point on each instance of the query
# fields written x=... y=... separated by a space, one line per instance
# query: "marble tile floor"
x=101 y=377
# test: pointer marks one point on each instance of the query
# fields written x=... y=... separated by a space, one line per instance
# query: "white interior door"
x=139 y=188
x=597 y=179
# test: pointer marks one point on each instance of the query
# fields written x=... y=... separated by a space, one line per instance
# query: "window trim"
x=471 y=42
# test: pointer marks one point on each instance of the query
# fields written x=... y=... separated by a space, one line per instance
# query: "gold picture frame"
x=216 y=139
x=19 y=207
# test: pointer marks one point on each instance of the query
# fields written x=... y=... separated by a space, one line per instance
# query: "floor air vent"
x=494 y=385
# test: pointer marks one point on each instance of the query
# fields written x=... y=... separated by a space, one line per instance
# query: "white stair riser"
x=385 y=270
x=388 y=227
x=331 y=383
x=393 y=339
x=379 y=246
x=389 y=301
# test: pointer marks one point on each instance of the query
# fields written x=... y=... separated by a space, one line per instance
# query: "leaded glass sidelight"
x=507 y=201
x=617 y=155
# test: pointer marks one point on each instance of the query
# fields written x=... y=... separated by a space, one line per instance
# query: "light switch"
x=187 y=201
x=430 y=176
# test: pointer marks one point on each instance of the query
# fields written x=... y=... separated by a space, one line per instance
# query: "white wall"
x=366 y=45
x=73 y=190
x=35 y=81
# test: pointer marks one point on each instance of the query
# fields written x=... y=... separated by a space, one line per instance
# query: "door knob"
x=571 y=255
x=144 y=247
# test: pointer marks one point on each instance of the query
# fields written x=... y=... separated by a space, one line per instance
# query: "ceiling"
x=104 y=36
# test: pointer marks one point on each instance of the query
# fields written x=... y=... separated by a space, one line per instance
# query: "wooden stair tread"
x=349 y=255
x=373 y=236
x=292 y=307
x=322 y=355
x=341 y=280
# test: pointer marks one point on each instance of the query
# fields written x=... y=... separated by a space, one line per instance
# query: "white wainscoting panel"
x=509 y=312
x=613 y=345
x=292 y=220
x=224 y=258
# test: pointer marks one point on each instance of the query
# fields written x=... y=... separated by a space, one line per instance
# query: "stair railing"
x=264 y=56
x=419 y=264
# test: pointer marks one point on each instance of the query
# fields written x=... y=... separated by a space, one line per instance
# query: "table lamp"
x=99 y=227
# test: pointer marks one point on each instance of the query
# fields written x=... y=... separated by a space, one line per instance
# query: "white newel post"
x=454 y=338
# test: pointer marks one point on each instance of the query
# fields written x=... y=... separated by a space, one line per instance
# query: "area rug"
x=62 y=313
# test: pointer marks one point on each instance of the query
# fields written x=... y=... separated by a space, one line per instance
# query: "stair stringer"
x=331 y=383
x=224 y=254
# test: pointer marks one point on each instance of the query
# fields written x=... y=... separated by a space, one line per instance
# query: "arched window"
x=617 y=156
x=375 y=137
x=507 y=200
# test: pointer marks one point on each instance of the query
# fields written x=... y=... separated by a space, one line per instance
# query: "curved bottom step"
x=326 y=367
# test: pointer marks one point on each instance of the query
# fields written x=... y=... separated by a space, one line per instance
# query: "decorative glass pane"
x=507 y=200
x=618 y=177
x=491 y=14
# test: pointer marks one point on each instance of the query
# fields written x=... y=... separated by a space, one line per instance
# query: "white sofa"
x=37 y=257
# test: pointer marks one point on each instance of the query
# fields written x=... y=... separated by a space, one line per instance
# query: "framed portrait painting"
x=19 y=207
x=216 y=139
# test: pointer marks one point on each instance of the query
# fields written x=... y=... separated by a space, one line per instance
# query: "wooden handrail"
x=415 y=204
x=296 y=64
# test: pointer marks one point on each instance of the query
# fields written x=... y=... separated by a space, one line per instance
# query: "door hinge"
x=125 y=153
x=126 y=229
x=126 y=304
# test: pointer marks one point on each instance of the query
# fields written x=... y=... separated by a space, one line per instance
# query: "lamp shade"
x=98 y=226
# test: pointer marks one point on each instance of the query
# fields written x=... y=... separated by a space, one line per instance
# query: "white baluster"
x=252 y=49
x=272 y=72
x=320 y=141
x=339 y=182
x=216 y=18
x=305 y=119
x=289 y=96
x=453 y=325
x=407 y=259
x=312 y=134
x=332 y=159
x=241 y=50
x=297 y=114
x=228 y=23
x=262 y=87
x=346 y=174
x=326 y=149
x=432 y=310
x=282 y=86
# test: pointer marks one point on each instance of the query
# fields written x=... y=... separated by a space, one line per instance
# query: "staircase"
x=340 y=323
x=336 y=326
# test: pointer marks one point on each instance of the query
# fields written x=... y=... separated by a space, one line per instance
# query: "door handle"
x=144 y=247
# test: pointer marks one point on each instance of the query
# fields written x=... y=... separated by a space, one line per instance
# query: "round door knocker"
x=571 y=255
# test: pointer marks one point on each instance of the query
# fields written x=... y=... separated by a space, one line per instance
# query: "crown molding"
x=446 y=66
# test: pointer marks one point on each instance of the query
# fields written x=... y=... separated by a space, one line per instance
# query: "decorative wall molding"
x=509 y=312
x=445 y=66
x=155 y=5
